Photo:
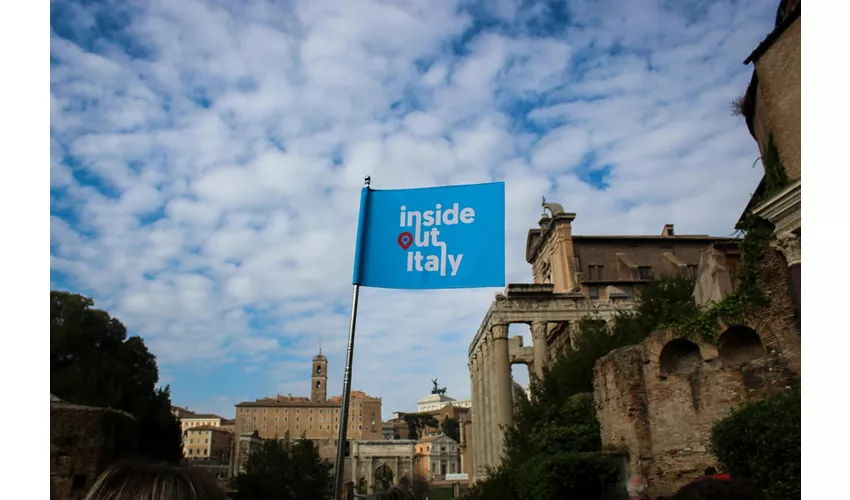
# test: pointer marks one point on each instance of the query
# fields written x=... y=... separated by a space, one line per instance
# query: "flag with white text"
x=428 y=238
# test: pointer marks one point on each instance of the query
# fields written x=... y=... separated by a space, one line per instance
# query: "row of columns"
x=492 y=392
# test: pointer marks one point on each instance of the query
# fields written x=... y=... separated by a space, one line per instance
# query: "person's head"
x=719 y=489
x=394 y=493
x=136 y=481
x=637 y=486
x=710 y=471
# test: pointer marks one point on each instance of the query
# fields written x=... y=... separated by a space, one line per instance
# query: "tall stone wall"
x=84 y=441
x=658 y=400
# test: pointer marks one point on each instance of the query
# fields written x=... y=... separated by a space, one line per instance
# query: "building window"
x=595 y=273
x=594 y=292
x=298 y=411
x=265 y=409
x=645 y=272
x=318 y=385
x=277 y=410
x=275 y=427
x=311 y=411
x=628 y=290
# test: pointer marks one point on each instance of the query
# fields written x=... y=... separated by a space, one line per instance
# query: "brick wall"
x=777 y=106
x=661 y=412
x=83 y=442
x=659 y=400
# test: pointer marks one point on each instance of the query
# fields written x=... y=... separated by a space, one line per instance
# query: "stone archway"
x=383 y=478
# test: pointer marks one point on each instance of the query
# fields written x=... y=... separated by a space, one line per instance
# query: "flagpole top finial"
x=367 y=181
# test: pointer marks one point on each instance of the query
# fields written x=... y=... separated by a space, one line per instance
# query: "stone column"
x=538 y=339
x=475 y=442
x=790 y=245
x=487 y=398
x=504 y=387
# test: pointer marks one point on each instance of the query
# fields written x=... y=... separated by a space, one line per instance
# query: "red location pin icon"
x=405 y=240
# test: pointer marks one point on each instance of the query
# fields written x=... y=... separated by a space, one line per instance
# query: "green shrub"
x=567 y=475
x=761 y=441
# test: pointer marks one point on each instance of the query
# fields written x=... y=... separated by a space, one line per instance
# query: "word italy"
x=424 y=238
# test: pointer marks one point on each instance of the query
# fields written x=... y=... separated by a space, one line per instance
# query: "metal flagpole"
x=346 y=388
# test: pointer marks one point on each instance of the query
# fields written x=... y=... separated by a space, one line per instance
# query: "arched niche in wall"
x=679 y=356
x=739 y=344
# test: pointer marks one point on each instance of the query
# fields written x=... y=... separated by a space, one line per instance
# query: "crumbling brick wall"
x=657 y=401
x=83 y=442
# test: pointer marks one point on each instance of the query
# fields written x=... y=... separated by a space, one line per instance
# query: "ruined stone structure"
x=574 y=277
x=659 y=400
x=84 y=440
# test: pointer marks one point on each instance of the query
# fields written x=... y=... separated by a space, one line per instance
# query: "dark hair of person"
x=719 y=489
x=139 y=481
x=710 y=471
x=394 y=493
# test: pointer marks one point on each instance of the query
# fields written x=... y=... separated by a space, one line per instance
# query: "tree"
x=416 y=422
x=93 y=362
x=418 y=487
x=761 y=441
x=284 y=469
x=451 y=428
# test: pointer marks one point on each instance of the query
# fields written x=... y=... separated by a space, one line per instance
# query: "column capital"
x=499 y=331
x=789 y=244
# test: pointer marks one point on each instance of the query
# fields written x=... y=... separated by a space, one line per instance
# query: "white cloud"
x=250 y=131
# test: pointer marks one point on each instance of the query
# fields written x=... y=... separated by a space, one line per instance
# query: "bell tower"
x=319 y=386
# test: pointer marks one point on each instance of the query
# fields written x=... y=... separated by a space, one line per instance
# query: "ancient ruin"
x=574 y=277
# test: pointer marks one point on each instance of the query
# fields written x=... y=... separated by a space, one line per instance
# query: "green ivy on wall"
x=775 y=176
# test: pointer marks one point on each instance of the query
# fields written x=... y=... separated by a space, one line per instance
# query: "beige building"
x=316 y=417
x=437 y=456
x=574 y=277
x=190 y=420
x=207 y=443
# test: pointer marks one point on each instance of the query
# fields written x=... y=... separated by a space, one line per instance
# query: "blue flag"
x=442 y=237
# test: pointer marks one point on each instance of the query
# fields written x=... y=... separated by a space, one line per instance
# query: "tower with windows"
x=319 y=389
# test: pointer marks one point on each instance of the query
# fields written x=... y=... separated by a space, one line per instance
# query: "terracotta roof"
x=201 y=416
x=678 y=237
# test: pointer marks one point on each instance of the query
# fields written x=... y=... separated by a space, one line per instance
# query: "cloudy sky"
x=207 y=157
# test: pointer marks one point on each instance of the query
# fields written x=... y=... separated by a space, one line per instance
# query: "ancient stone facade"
x=84 y=441
x=575 y=277
x=657 y=401
x=772 y=109
x=372 y=465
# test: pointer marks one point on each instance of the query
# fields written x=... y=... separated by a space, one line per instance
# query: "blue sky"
x=206 y=160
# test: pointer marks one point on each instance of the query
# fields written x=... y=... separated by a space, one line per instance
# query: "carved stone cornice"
x=791 y=247
x=782 y=209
